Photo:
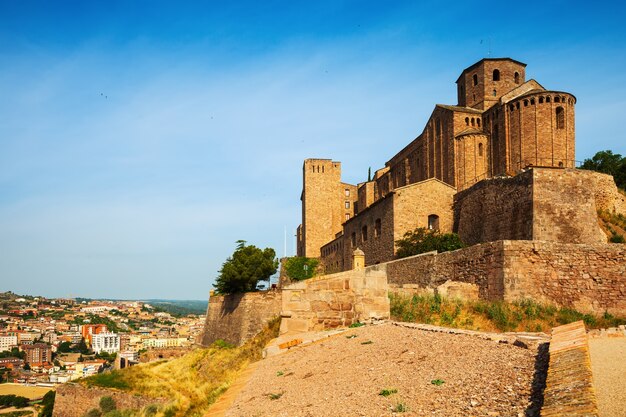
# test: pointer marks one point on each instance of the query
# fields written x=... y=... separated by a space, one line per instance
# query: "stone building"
x=503 y=125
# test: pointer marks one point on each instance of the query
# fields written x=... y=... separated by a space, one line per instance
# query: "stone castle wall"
x=334 y=300
x=495 y=209
x=235 y=318
x=75 y=400
x=587 y=277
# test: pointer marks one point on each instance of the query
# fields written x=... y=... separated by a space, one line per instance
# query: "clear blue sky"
x=140 y=139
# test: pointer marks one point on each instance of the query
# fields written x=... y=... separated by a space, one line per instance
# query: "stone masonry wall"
x=334 y=300
x=589 y=278
x=564 y=206
x=480 y=265
x=236 y=318
x=495 y=209
x=74 y=400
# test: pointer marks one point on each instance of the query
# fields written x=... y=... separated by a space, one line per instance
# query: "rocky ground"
x=608 y=363
x=424 y=373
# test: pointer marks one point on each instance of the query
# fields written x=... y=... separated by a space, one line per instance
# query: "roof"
x=471 y=67
x=470 y=132
x=459 y=108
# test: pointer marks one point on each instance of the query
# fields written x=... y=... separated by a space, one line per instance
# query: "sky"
x=139 y=140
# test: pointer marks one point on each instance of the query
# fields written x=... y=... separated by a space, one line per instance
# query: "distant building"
x=165 y=342
x=10 y=362
x=88 y=330
x=7 y=342
x=37 y=353
x=105 y=342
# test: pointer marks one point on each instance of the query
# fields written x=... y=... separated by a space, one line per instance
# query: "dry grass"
x=495 y=316
x=23 y=390
x=613 y=224
x=192 y=382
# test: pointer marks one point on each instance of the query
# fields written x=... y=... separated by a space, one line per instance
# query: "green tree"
x=423 y=240
x=64 y=347
x=609 y=163
x=48 y=404
x=245 y=268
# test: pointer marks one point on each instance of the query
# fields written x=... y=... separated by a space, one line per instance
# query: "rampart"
x=335 y=300
x=544 y=204
x=75 y=400
x=235 y=318
x=587 y=277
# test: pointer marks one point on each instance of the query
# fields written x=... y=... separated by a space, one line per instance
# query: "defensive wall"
x=75 y=400
x=236 y=318
x=588 y=277
x=549 y=204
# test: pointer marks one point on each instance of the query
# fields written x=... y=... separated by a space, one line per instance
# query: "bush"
x=422 y=240
x=94 y=412
x=107 y=404
x=299 y=268
x=48 y=404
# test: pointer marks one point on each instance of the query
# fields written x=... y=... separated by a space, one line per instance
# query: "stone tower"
x=326 y=204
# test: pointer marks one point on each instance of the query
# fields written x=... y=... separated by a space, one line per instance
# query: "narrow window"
x=560 y=164
x=364 y=233
x=377 y=228
x=532 y=101
x=540 y=100
x=480 y=149
x=475 y=79
x=472 y=121
x=516 y=77
x=474 y=97
x=495 y=93
x=353 y=239
x=560 y=118
x=496 y=75
x=347 y=216
x=557 y=99
x=467 y=121
x=347 y=192
x=347 y=204
x=433 y=222
x=548 y=99
x=478 y=122
x=322 y=169
x=525 y=103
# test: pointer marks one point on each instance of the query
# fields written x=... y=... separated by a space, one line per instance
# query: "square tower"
x=481 y=85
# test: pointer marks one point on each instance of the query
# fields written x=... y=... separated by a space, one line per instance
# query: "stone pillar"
x=358 y=260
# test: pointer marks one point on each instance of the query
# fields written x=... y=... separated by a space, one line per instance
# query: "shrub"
x=422 y=240
x=299 y=268
x=107 y=404
x=94 y=412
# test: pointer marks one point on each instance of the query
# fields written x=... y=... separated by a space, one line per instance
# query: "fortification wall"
x=607 y=196
x=495 y=209
x=564 y=206
x=481 y=265
x=236 y=318
x=587 y=277
x=75 y=400
x=334 y=300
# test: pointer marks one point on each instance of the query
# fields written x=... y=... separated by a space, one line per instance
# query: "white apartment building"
x=7 y=342
x=165 y=342
x=105 y=342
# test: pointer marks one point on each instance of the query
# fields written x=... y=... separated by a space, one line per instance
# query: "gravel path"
x=342 y=376
x=608 y=364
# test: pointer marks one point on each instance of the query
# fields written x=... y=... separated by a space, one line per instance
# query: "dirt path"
x=608 y=364
x=425 y=373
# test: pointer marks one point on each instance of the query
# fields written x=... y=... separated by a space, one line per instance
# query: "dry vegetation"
x=192 y=382
x=522 y=316
x=23 y=390
x=614 y=225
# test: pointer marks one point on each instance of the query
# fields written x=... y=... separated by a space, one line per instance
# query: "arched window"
x=364 y=233
x=525 y=103
x=475 y=79
x=495 y=93
x=480 y=149
x=560 y=118
x=557 y=99
x=516 y=77
x=467 y=121
x=377 y=228
x=540 y=100
x=433 y=222
x=478 y=122
x=473 y=121
x=532 y=101
x=496 y=75
x=548 y=99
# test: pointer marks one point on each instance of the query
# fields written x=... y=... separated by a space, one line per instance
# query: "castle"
x=502 y=133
